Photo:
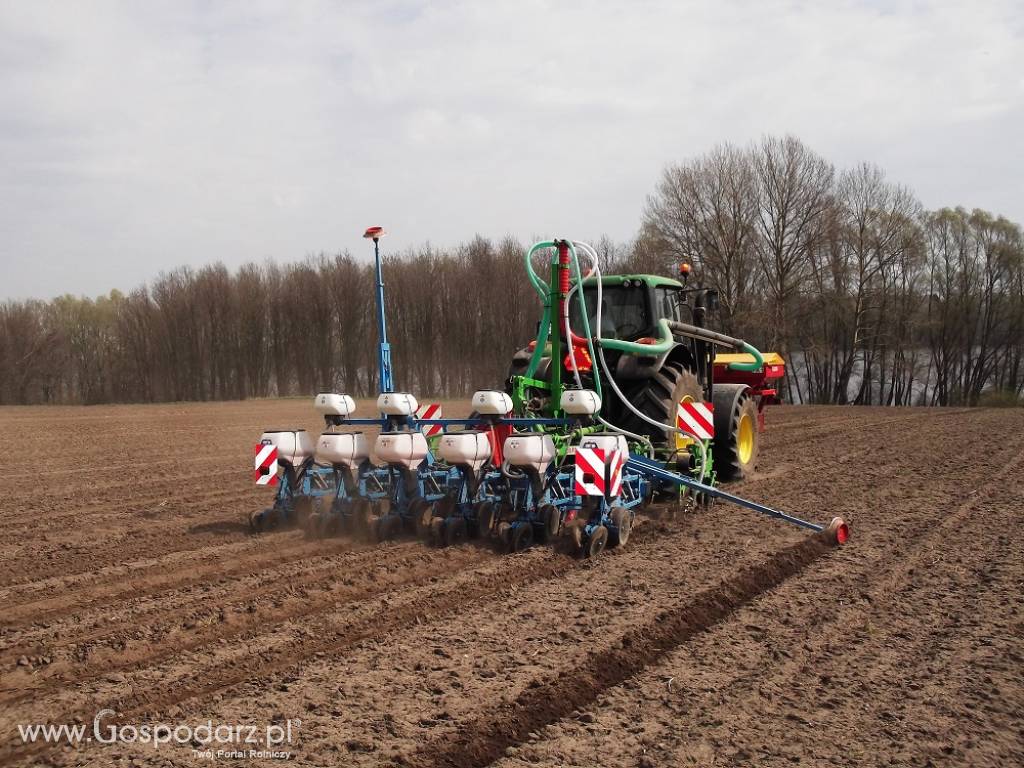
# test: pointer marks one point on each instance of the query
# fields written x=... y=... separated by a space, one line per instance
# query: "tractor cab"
x=632 y=305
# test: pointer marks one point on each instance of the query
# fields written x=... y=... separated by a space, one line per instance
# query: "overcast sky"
x=135 y=137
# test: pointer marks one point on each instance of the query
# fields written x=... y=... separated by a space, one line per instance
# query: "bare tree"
x=706 y=212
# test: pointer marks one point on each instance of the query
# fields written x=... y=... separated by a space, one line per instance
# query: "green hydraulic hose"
x=538 y=283
x=538 y=351
x=663 y=345
x=665 y=342
x=545 y=322
x=754 y=367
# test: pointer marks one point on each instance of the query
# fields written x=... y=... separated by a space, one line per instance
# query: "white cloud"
x=136 y=137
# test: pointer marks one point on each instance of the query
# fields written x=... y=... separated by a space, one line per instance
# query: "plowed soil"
x=129 y=582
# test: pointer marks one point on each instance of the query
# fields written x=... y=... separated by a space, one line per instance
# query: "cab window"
x=623 y=312
x=668 y=303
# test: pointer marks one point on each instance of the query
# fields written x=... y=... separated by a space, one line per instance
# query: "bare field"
x=129 y=581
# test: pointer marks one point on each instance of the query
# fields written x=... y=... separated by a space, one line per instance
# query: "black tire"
x=735 y=457
x=622 y=520
x=522 y=537
x=657 y=398
x=455 y=531
x=550 y=519
x=596 y=543
x=484 y=518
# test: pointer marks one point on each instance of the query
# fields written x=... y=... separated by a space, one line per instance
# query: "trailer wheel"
x=622 y=521
x=597 y=541
x=736 y=438
x=550 y=519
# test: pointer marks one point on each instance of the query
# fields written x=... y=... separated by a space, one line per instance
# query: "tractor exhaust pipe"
x=703 y=334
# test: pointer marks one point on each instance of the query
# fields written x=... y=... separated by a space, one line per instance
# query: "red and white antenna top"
x=374 y=233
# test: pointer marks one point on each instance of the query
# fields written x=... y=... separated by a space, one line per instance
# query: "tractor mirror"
x=711 y=301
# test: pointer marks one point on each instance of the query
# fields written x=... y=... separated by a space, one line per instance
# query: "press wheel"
x=522 y=537
x=597 y=541
x=622 y=521
x=455 y=530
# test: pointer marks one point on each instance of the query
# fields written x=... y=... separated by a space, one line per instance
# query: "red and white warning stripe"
x=617 y=460
x=598 y=471
x=265 y=465
x=697 y=418
x=430 y=411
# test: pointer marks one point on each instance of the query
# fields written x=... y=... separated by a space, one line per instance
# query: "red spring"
x=563 y=262
x=563 y=286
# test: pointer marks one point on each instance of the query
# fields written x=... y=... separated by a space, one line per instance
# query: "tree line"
x=454 y=319
x=871 y=298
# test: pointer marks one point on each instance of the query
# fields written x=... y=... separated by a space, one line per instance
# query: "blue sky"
x=135 y=137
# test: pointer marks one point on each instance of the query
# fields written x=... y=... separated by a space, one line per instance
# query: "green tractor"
x=643 y=345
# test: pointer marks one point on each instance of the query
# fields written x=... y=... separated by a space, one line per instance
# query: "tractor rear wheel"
x=658 y=398
x=735 y=445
